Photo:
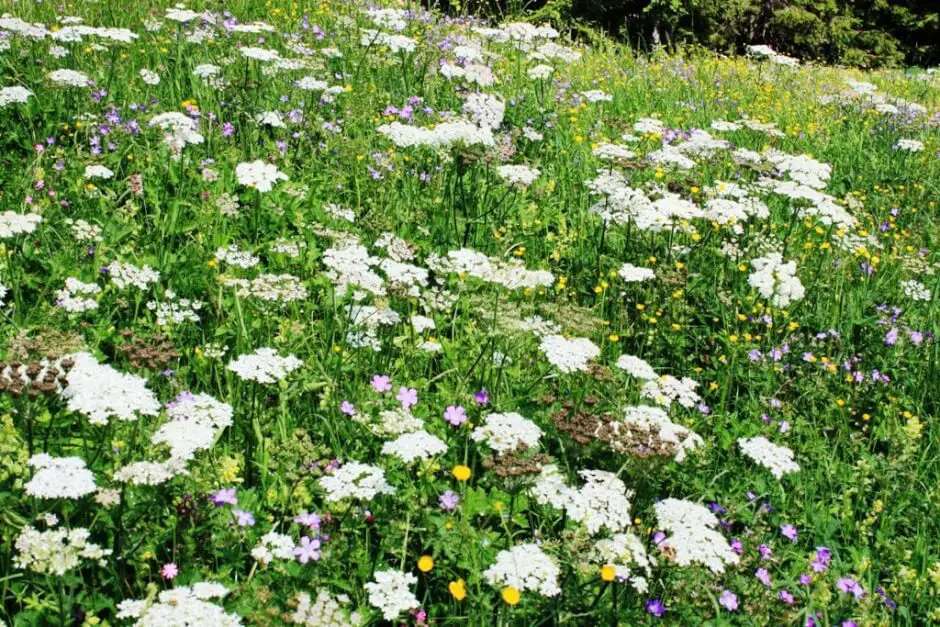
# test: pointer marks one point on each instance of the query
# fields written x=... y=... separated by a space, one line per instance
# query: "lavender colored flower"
x=381 y=383
x=448 y=501
x=225 y=496
x=765 y=551
x=308 y=549
x=786 y=597
x=455 y=415
x=482 y=397
x=728 y=600
x=850 y=586
x=763 y=575
x=347 y=408
x=805 y=579
x=309 y=520
x=243 y=518
x=789 y=532
x=655 y=607
x=408 y=397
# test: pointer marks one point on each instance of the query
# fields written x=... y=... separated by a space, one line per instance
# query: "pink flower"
x=728 y=600
x=455 y=415
x=347 y=408
x=381 y=383
x=169 y=570
x=307 y=550
x=408 y=397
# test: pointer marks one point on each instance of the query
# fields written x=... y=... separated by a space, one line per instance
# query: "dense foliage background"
x=861 y=33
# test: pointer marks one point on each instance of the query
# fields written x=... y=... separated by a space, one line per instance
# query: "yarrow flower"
x=264 y=366
x=778 y=459
x=525 y=567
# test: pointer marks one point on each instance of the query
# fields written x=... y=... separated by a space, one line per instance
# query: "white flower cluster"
x=393 y=422
x=273 y=288
x=569 y=355
x=623 y=551
x=351 y=265
x=909 y=145
x=417 y=445
x=778 y=459
x=259 y=175
x=485 y=110
x=525 y=567
x=101 y=392
x=645 y=417
x=125 y=274
x=510 y=274
x=181 y=607
x=635 y=274
x=539 y=326
x=395 y=43
x=264 y=366
x=355 y=480
x=55 y=551
x=147 y=473
x=325 y=611
x=69 y=78
x=180 y=130
x=273 y=545
x=505 y=432
x=15 y=94
x=77 y=297
x=603 y=502
x=195 y=420
x=518 y=175
x=444 y=135
x=59 y=477
x=234 y=256
x=612 y=152
x=667 y=389
x=175 y=310
x=776 y=280
x=473 y=73
x=693 y=535
x=636 y=367
x=915 y=290
x=12 y=223
x=391 y=592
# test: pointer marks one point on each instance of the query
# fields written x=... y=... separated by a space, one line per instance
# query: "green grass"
x=867 y=484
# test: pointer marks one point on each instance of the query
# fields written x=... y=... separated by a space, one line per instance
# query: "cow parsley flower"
x=416 y=445
x=505 y=432
x=180 y=607
x=778 y=459
x=569 y=355
x=355 y=480
x=59 y=477
x=776 y=280
x=525 y=567
x=55 y=551
x=264 y=366
x=101 y=392
x=694 y=536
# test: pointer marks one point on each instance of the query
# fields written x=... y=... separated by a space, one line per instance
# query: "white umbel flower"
x=693 y=535
x=101 y=392
x=355 y=480
x=59 y=477
x=636 y=367
x=264 y=366
x=635 y=274
x=418 y=445
x=778 y=459
x=55 y=551
x=776 y=280
x=181 y=607
x=505 y=432
x=569 y=355
x=525 y=567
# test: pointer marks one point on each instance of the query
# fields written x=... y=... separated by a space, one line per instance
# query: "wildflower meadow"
x=336 y=313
